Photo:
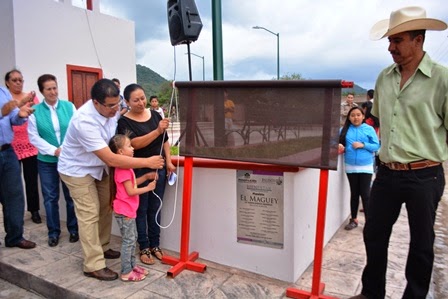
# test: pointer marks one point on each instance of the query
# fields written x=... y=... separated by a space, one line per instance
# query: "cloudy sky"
x=319 y=39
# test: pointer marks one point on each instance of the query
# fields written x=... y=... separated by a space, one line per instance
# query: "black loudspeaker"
x=184 y=22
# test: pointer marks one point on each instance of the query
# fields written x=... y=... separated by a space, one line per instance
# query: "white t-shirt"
x=88 y=131
x=160 y=111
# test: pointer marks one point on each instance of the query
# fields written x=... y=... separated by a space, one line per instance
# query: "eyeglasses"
x=112 y=106
x=17 y=80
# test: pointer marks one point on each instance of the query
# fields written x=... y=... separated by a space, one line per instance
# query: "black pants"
x=420 y=190
x=359 y=186
x=31 y=189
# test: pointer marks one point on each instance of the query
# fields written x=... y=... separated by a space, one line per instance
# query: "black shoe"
x=111 y=254
x=73 y=238
x=52 y=242
x=35 y=217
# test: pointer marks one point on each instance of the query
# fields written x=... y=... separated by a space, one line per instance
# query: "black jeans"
x=420 y=190
x=359 y=186
x=30 y=176
x=147 y=228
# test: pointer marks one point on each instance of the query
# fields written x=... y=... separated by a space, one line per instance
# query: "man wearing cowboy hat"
x=411 y=101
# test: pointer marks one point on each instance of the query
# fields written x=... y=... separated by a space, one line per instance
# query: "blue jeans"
x=11 y=197
x=420 y=191
x=49 y=183
x=128 y=231
x=147 y=228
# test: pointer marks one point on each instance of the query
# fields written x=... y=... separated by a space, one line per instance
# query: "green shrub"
x=174 y=150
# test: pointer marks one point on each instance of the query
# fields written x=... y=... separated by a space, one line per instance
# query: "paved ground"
x=56 y=272
x=9 y=290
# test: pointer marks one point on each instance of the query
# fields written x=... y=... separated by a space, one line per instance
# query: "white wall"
x=7 y=47
x=48 y=35
x=213 y=221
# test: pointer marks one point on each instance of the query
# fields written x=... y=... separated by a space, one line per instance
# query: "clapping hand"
x=26 y=110
x=29 y=98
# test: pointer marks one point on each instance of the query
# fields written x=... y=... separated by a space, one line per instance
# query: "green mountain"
x=356 y=89
x=150 y=80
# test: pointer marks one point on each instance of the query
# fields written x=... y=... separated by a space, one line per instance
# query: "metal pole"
x=203 y=64
x=278 y=47
x=203 y=68
x=278 y=56
x=218 y=69
x=189 y=61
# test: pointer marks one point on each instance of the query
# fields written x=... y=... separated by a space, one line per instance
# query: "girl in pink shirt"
x=125 y=204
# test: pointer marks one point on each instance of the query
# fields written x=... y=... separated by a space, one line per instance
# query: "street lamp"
x=203 y=64
x=278 y=48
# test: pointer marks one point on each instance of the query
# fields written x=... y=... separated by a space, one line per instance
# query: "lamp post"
x=278 y=48
x=203 y=64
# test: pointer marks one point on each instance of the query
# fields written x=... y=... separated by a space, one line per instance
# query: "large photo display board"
x=293 y=122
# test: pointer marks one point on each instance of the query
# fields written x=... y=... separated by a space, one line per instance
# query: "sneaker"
x=352 y=224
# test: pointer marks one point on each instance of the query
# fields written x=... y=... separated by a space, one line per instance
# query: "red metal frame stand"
x=186 y=261
x=317 y=286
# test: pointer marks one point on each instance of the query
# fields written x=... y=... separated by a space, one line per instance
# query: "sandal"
x=157 y=252
x=140 y=270
x=133 y=276
x=145 y=257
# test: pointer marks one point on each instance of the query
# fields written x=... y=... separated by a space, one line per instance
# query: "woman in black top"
x=146 y=129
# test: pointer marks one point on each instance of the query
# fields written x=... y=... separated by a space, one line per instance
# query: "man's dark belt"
x=411 y=166
x=5 y=147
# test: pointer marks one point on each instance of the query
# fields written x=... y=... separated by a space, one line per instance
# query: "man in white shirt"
x=83 y=166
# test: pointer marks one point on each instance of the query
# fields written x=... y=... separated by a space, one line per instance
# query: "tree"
x=293 y=76
x=150 y=81
x=165 y=91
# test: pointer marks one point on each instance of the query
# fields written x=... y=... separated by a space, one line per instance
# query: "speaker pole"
x=186 y=260
x=189 y=60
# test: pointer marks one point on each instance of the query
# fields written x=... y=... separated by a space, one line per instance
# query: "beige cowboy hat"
x=405 y=19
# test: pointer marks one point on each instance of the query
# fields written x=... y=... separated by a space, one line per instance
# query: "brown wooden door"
x=80 y=82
